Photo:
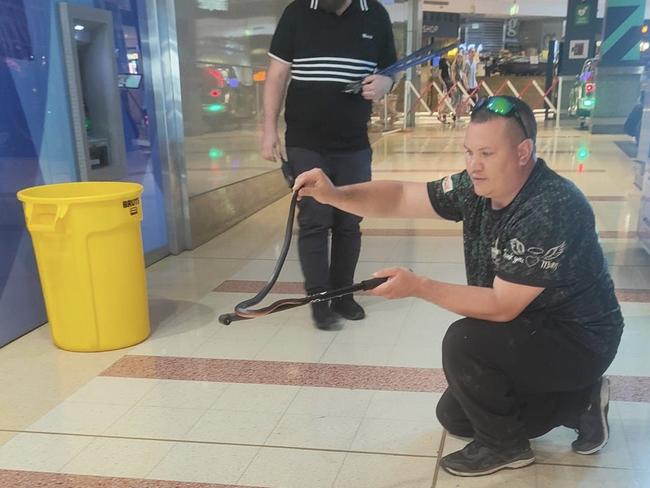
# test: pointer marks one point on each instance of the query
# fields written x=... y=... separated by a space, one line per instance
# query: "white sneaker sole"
x=604 y=400
x=521 y=463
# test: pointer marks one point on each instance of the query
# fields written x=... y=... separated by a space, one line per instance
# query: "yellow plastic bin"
x=88 y=247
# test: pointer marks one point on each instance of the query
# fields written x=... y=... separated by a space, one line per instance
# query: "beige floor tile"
x=292 y=468
x=234 y=427
x=368 y=470
x=333 y=402
x=397 y=437
x=204 y=463
x=79 y=418
x=256 y=398
x=113 y=391
x=156 y=423
x=314 y=431
x=40 y=452
x=6 y=437
x=183 y=394
x=128 y=458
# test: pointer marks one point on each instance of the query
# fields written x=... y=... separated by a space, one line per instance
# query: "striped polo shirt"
x=326 y=51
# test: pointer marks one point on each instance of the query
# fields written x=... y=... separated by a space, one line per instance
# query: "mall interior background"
x=191 y=121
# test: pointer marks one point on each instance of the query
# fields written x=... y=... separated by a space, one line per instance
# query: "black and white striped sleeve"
x=336 y=69
x=283 y=42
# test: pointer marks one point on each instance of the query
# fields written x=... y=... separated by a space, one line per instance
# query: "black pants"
x=514 y=381
x=316 y=220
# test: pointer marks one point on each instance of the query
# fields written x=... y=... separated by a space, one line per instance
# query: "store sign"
x=512 y=28
x=218 y=5
x=440 y=24
x=514 y=9
x=583 y=14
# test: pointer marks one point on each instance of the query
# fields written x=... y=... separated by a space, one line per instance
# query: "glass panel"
x=25 y=137
x=223 y=47
x=140 y=133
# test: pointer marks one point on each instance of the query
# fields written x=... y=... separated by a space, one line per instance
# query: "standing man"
x=471 y=64
x=448 y=85
x=458 y=72
x=323 y=45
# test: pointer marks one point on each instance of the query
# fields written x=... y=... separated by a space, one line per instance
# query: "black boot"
x=347 y=308
x=593 y=429
x=324 y=318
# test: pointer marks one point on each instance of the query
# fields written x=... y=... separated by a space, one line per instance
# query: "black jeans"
x=316 y=220
x=509 y=382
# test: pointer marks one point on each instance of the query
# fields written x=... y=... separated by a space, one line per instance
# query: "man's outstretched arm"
x=372 y=199
x=503 y=302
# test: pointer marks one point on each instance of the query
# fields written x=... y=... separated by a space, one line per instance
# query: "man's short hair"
x=525 y=112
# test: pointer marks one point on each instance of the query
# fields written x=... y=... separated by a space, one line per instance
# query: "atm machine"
x=91 y=72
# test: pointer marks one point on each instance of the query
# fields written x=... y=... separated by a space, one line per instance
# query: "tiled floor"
x=275 y=403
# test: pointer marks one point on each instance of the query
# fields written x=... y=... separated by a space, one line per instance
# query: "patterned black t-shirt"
x=547 y=238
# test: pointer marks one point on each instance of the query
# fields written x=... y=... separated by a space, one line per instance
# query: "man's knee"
x=452 y=417
x=445 y=411
x=458 y=336
x=314 y=216
x=348 y=226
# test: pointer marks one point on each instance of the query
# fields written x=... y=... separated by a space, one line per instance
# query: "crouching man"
x=542 y=322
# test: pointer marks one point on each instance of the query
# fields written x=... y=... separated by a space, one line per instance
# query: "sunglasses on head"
x=501 y=106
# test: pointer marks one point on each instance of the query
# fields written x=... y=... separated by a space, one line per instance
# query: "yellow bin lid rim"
x=87 y=191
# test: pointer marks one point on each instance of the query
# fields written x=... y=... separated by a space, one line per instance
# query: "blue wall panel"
x=24 y=72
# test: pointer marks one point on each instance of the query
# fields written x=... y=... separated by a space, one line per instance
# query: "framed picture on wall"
x=579 y=49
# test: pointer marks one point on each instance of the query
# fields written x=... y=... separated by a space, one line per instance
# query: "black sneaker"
x=324 y=318
x=477 y=459
x=593 y=428
x=347 y=308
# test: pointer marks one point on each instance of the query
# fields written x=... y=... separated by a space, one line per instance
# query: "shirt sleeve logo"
x=549 y=260
x=555 y=252
x=517 y=247
x=367 y=36
x=516 y=253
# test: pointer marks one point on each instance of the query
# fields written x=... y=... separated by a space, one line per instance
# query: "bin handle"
x=61 y=210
